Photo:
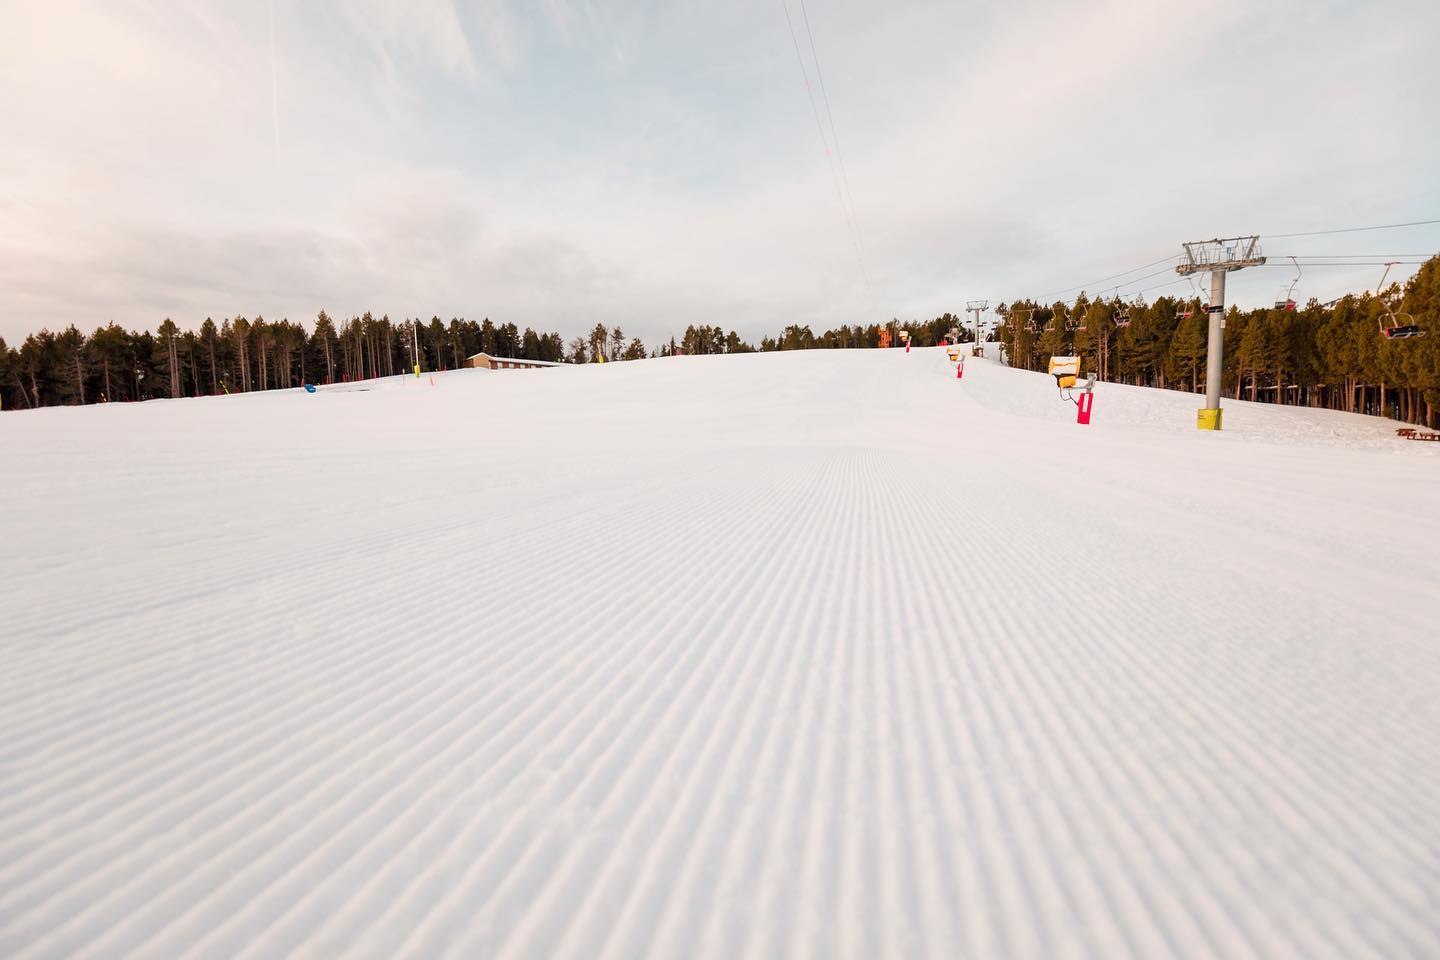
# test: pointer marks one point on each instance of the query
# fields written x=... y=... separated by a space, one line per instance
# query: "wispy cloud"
x=657 y=164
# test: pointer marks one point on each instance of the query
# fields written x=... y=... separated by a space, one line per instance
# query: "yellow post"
x=417 y=371
x=1207 y=419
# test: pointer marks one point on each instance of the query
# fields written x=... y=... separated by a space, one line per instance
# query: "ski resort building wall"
x=487 y=362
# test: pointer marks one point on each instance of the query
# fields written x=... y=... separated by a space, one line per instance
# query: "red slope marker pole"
x=1082 y=415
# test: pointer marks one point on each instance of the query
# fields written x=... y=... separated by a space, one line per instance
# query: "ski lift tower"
x=977 y=307
x=1218 y=257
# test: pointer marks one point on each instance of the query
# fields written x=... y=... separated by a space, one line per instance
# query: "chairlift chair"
x=1061 y=321
x=1202 y=303
x=1402 y=326
x=1288 y=301
x=1121 y=313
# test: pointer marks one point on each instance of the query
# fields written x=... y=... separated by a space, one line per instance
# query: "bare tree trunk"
x=24 y=394
x=173 y=352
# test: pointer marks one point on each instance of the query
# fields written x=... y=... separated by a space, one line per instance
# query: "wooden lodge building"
x=486 y=362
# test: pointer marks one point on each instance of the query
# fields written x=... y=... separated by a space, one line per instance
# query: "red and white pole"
x=1083 y=415
x=960 y=370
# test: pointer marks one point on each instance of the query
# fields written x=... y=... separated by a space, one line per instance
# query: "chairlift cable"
x=1320 y=233
x=1092 y=283
x=830 y=118
x=1157 y=273
x=1354 y=263
x=825 y=143
x=1350 y=256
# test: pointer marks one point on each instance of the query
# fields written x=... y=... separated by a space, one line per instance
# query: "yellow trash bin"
x=1207 y=419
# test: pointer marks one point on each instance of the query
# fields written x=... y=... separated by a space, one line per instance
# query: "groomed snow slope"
x=823 y=654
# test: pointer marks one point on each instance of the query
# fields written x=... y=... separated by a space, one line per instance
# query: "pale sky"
x=567 y=162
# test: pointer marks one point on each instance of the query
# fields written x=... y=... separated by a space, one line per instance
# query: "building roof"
x=533 y=363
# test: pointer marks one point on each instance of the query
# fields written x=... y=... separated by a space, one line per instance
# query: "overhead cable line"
x=825 y=142
x=1116 y=290
x=1321 y=233
x=1113 y=276
x=830 y=118
x=1161 y=286
x=1353 y=263
x=1352 y=256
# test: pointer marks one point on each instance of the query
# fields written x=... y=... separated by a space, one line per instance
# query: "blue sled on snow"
x=309 y=388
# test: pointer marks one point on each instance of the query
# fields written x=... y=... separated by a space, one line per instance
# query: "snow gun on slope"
x=1066 y=371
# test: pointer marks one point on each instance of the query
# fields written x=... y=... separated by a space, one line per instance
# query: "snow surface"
x=822 y=654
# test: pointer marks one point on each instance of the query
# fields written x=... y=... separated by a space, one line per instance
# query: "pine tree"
x=208 y=335
x=70 y=347
x=240 y=332
x=168 y=335
x=325 y=336
x=1187 y=349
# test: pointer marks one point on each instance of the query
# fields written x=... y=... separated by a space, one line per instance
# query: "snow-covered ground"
x=823 y=654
